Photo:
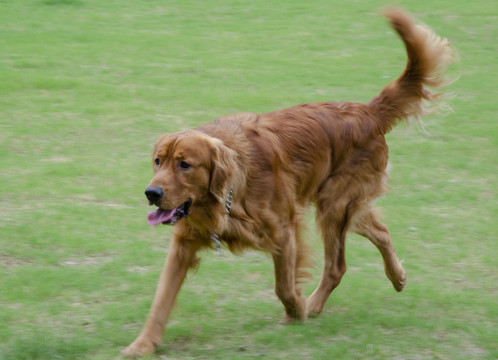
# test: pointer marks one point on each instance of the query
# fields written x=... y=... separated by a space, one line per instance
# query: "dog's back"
x=315 y=141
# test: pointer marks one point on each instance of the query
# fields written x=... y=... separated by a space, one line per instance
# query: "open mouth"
x=169 y=217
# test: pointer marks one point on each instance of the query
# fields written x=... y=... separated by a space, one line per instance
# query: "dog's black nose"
x=154 y=193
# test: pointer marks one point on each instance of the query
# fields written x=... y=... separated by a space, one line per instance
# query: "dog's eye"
x=183 y=165
x=157 y=161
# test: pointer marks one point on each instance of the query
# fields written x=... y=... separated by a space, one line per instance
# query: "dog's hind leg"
x=332 y=220
x=366 y=224
x=334 y=267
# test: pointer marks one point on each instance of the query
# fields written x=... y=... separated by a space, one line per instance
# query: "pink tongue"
x=159 y=216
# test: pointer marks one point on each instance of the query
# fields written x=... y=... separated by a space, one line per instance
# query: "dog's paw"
x=400 y=283
x=297 y=314
x=287 y=319
x=397 y=277
x=139 y=347
x=314 y=306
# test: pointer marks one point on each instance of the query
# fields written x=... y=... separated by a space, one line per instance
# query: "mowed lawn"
x=87 y=86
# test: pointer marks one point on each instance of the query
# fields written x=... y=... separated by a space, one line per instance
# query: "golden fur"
x=330 y=154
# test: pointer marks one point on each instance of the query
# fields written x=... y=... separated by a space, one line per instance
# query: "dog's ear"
x=223 y=166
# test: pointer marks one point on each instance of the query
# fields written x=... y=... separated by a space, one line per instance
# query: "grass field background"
x=87 y=86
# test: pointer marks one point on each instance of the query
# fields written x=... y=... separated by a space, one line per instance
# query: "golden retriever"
x=245 y=180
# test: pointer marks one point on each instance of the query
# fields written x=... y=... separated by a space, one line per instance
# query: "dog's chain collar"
x=228 y=206
x=216 y=241
x=228 y=203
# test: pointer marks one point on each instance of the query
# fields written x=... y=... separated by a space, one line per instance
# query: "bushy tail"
x=428 y=57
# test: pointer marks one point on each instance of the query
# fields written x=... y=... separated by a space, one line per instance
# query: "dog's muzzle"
x=154 y=194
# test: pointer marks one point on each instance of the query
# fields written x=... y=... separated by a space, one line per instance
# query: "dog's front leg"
x=180 y=258
x=285 y=262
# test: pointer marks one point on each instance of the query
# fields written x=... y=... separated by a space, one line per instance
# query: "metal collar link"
x=228 y=206
x=216 y=241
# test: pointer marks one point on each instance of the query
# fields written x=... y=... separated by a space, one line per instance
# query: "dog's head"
x=190 y=168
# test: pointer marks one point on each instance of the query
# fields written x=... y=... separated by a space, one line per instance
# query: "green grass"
x=86 y=86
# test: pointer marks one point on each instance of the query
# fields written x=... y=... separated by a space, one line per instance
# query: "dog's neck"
x=228 y=206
